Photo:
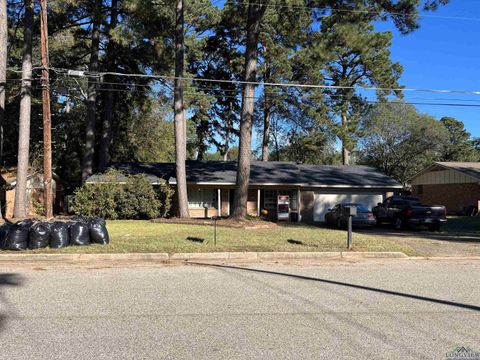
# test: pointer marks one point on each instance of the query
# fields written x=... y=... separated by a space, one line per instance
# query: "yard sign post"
x=349 y=237
x=215 y=230
x=351 y=212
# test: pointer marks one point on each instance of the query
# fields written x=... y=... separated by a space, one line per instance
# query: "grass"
x=146 y=237
x=459 y=224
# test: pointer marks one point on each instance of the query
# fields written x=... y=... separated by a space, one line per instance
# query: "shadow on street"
x=354 y=286
x=6 y=309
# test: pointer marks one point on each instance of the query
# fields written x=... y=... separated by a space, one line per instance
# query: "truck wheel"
x=435 y=227
x=398 y=224
x=339 y=223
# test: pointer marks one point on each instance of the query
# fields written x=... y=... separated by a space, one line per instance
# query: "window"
x=270 y=199
x=201 y=198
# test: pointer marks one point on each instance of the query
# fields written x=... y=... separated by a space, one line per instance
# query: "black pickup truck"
x=402 y=211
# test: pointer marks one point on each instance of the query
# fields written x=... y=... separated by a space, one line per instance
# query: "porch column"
x=299 y=203
x=219 y=202
x=258 y=202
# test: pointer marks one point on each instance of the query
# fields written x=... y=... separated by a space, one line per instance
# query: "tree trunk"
x=3 y=73
x=255 y=14
x=266 y=110
x=87 y=166
x=179 y=113
x=266 y=127
x=21 y=206
x=224 y=152
x=46 y=113
x=106 y=140
x=345 y=151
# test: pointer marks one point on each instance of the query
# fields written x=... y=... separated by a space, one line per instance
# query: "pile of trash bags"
x=30 y=234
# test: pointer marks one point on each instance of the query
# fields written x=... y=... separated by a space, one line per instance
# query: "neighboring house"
x=453 y=184
x=35 y=197
x=312 y=189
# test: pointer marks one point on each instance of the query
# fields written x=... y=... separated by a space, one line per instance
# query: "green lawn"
x=147 y=237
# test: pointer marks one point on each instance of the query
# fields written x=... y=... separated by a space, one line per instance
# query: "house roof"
x=467 y=168
x=9 y=176
x=262 y=173
x=156 y=173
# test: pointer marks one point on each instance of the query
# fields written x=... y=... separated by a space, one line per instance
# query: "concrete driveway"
x=427 y=243
x=390 y=309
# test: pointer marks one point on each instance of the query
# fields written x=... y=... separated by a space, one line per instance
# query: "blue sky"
x=442 y=54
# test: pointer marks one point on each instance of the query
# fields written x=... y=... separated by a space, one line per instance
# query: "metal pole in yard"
x=349 y=237
x=215 y=231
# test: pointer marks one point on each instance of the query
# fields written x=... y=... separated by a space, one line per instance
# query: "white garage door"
x=325 y=201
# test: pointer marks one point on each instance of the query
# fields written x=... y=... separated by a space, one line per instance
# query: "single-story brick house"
x=311 y=189
x=453 y=184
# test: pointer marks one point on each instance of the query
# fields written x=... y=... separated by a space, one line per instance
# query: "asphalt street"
x=390 y=309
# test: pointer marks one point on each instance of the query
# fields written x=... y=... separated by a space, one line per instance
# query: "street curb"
x=216 y=256
x=298 y=255
x=84 y=257
x=373 y=255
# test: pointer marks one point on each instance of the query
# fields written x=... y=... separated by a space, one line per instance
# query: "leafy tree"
x=459 y=146
x=355 y=55
x=91 y=115
x=400 y=141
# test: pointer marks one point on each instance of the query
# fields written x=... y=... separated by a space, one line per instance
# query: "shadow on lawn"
x=195 y=239
x=298 y=242
x=354 y=286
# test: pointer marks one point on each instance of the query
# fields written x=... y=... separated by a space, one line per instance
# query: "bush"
x=135 y=198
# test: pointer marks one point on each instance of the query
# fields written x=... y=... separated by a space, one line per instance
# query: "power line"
x=296 y=85
x=359 y=11
x=204 y=88
x=189 y=92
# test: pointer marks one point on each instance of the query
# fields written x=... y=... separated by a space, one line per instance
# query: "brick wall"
x=202 y=213
x=455 y=197
x=252 y=202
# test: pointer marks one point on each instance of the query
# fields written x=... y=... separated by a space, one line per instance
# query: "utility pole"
x=47 y=124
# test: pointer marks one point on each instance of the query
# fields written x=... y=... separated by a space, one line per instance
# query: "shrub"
x=97 y=200
x=138 y=200
x=134 y=198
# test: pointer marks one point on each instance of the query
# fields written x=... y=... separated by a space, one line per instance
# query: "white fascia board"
x=299 y=185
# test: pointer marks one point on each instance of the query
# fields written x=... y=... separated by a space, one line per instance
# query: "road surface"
x=390 y=309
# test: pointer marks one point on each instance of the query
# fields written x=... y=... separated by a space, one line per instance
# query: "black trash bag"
x=39 y=235
x=59 y=236
x=17 y=237
x=98 y=220
x=98 y=231
x=3 y=235
x=79 y=234
x=80 y=219
x=25 y=223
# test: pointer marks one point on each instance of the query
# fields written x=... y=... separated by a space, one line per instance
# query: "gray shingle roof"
x=263 y=173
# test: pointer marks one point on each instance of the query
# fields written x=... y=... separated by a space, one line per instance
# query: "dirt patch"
x=243 y=224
